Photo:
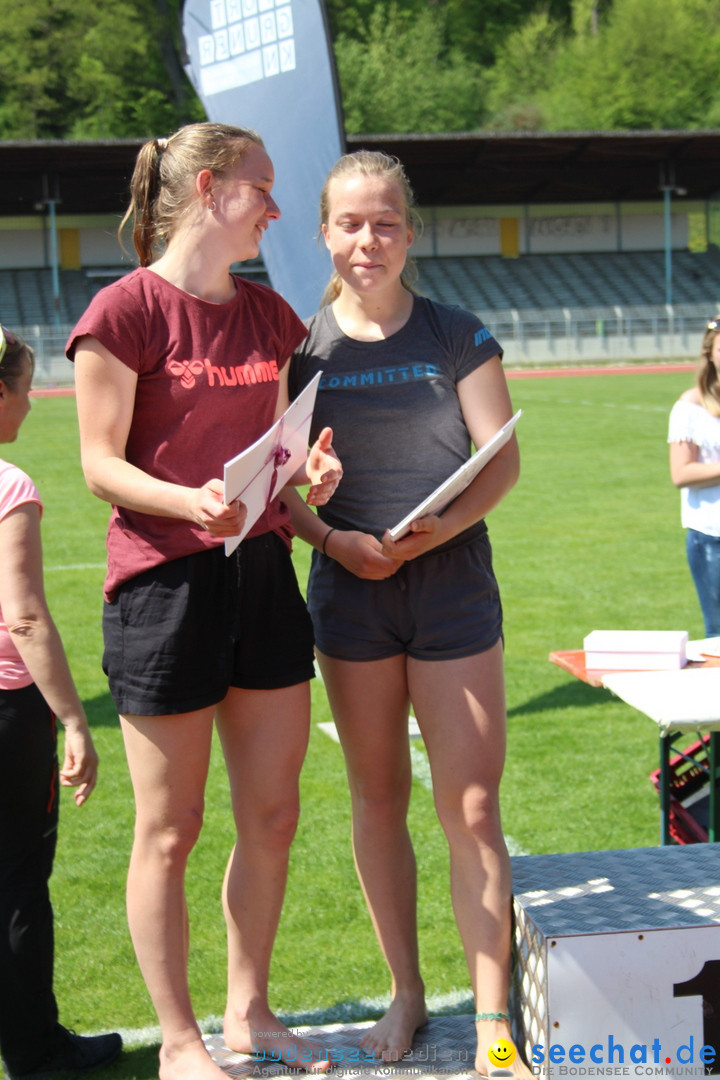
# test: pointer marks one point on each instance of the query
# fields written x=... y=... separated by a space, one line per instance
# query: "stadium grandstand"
x=573 y=247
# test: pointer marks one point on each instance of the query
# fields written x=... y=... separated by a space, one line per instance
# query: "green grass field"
x=589 y=539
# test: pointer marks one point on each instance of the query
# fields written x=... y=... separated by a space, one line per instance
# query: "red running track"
x=626 y=369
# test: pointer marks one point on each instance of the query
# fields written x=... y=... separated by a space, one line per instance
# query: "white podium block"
x=617 y=962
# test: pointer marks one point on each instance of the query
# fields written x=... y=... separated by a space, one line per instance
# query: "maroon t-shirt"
x=207 y=389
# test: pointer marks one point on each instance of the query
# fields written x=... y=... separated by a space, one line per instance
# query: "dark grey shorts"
x=442 y=606
x=178 y=636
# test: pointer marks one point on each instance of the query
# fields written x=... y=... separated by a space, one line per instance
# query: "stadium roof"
x=484 y=168
x=537 y=167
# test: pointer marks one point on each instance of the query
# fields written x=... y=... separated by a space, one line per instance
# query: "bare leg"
x=460 y=706
x=264 y=735
x=370 y=706
x=168 y=758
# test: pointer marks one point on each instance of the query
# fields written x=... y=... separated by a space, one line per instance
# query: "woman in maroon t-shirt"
x=179 y=366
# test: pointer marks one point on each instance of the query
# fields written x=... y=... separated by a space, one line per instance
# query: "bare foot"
x=392 y=1037
x=189 y=1061
x=488 y=1032
x=269 y=1040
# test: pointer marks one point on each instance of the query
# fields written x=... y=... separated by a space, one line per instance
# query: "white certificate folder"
x=255 y=476
x=443 y=495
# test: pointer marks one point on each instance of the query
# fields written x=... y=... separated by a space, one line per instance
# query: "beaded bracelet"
x=325 y=540
x=492 y=1016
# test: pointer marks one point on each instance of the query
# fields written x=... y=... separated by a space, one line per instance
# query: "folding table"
x=686 y=700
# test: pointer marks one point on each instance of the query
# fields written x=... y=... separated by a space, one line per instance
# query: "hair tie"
x=325 y=540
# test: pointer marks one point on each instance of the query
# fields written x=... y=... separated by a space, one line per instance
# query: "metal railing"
x=52 y=367
x=535 y=337
x=617 y=334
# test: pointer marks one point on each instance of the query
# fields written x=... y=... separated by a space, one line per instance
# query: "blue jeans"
x=703 y=553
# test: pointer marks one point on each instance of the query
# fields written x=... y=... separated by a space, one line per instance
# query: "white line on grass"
x=76 y=566
x=346 y=1012
x=420 y=763
x=592 y=404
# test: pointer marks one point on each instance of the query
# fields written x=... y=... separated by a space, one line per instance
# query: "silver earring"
x=212 y=206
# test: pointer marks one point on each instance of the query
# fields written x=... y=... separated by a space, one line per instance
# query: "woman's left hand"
x=425 y=534
x=323 y=469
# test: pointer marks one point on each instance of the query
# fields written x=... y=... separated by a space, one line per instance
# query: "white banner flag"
x=268 y=65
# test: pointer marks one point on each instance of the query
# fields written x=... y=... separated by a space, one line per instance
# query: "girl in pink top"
x=36 y=688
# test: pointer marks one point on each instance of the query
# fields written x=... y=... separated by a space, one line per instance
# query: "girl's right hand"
x=80 y=762
x=208 y=509
x=361 y=554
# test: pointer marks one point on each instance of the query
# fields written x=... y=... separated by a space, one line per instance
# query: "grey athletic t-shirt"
x=393 y=407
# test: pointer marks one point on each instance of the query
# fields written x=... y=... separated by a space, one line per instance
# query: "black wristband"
x=325 y=540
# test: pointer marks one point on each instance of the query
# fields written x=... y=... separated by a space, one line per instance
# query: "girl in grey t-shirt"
x=407 y=386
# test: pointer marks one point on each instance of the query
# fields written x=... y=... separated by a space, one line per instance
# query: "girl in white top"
x=694 y=438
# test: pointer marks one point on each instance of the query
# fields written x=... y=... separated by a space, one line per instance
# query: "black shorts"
x=442 y=606
x=178 y=636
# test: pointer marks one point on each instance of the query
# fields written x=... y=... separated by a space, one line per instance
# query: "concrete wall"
x=469 y=230
x=25 y=242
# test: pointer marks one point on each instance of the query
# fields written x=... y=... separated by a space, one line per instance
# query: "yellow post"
x=509 y=238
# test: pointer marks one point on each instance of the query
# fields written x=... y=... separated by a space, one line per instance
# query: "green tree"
x=475 y=27
x=481 y=27
x=523 y=69
x=400 y=76
x=82 y=69
x=127 y=38
x=652 y=65
x=348 y=20
x=89 y=69
x=33 y=96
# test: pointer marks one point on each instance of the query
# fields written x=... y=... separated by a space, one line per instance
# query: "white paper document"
x=443 y=495
x=256 y=475
x=704 y=649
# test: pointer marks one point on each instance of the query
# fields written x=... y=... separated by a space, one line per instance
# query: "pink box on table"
x=636 y=650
